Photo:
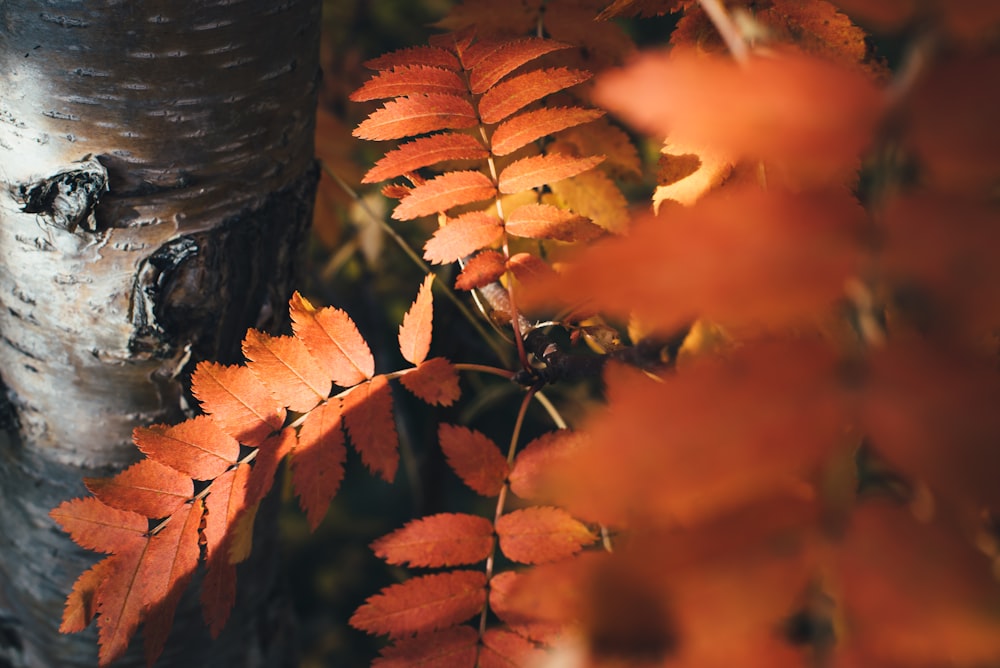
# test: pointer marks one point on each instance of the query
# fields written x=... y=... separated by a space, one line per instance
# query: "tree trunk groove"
x=156 y=180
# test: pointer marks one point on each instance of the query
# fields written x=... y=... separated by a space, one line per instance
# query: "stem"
x=501 y=353
x=728 y=30
x=550 y=408
x=482 y=368
x=502 y=498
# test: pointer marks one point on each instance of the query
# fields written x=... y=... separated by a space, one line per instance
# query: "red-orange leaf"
x=546 y=453
x=197 y=447
x=415 y=332
x=434 y=381
x=318 y=460
x=269 y=455
x=450 y=648
x=409 y=80
x=474 y=457
x=503 y=649
x=507 y=57
x=509 y=607
x=539 y=170
x=528 y=268
x=417 y=55
x=544 y=221
x=174 y=554
x=521 y=130
x=517 y=92
x=224 y=503
x=447 y=539
x=147 y=487
x=333 y=339
x=118 y=604
x=100 y=528
x=443 y=192
x=792 y=109
x=144 y=575
x=80 y=604
x=482 y=269
x=237 y=401
x=424 y=152
x=737 y=256
x=370 y=424
x=408 y=116
x=426 y=603
x=462 y=236
x=283 y=364
x=539 y=535
x=916 y=593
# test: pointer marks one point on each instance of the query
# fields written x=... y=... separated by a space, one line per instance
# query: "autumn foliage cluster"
x=795 y=460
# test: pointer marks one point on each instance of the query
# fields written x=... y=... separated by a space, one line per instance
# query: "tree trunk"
x=157 y=179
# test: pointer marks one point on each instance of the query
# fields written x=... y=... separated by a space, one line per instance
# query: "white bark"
x=156 y=175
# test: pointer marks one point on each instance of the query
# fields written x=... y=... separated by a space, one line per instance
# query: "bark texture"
x=156 y=179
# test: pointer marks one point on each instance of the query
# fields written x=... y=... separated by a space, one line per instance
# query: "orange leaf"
x=447 y=539
x=679 y=468
x=528 y=268
x=144 y=575
x=408 y=116
x=738 y=256
x=148 y=488
x=424 y=152
x=415 y=332
x=952 y=123
x=285 y=367
x=101 y=528
x=333 y=338
x=80 y=604
x=544 y=221
x=318 y=460
x=925 y=401
x=269 y=455
x=687 y=173
x=474 y=457
x=462 y=236
x=507 y=57
x=371 y=426
x=451 y=648
x=409 y=80
x=118 y=605
x=521 y=130
x=197 y=447
x=443 y=192
x=644 y=8
x=237 y=401
x=539 y=170
x=793 y=109
x=482 y=269
x=507 y=606
x=539 y=535
x=517 y=92
x=503 y=649
x=179 y=550
x=426 y=603
x=225 y=502
x=418 y=55
x=915 y=593
x=434 y=381
x=600 y=137
x=546 y=453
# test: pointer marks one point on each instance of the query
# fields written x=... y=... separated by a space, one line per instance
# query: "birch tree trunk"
x=156 y=179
